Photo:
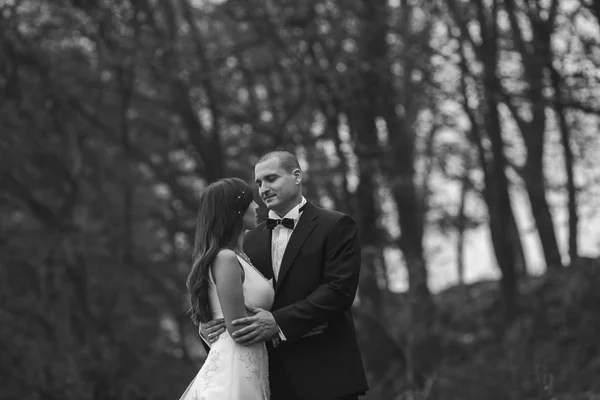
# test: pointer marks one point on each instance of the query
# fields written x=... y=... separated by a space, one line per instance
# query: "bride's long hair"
x=218 y=226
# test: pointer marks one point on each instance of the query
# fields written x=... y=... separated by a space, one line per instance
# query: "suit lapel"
x=267 y=249
x=306 y=224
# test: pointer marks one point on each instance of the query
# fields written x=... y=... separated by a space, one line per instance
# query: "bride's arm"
x=227 y=275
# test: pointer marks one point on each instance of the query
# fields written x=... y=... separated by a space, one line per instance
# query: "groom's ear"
x=297 y=176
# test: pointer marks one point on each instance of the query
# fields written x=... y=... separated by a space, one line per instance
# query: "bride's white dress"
x=232 y=371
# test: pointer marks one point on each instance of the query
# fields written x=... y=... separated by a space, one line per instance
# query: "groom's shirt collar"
x=294 y=213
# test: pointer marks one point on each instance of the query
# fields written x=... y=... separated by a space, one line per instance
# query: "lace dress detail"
x=251 y=364
x=212 y=364
x=232 y=371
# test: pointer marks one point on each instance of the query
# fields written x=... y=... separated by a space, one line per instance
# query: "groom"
x=313 y=256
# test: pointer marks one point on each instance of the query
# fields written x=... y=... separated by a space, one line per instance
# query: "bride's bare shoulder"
x=226 y=267
x=225 y=256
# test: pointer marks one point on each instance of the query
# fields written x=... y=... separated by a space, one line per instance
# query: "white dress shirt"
x=281 y=236
x=279 y=240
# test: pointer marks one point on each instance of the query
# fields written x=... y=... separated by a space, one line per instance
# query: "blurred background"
x=462 y=135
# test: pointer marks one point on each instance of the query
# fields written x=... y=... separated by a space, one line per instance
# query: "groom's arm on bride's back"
x=227 y=275
x=338 y=288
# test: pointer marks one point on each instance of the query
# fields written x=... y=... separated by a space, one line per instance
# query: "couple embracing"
x=273 y=300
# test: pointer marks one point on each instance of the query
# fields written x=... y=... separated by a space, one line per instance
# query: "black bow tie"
x=287 y=222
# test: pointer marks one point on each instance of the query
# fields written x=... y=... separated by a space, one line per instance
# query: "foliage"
x=115 y=115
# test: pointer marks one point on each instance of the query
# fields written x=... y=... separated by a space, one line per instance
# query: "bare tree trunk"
x=360 y=109
x=461 y=223
x=536 y=190
x=496 y=192
x=515 y=237
x=362 y=124
x=206 y=139
x=533 y=132
x=565 y=136
x=331 y=107
x=214 y=156
x=499 y=199
x=399 y=167
x=361 y=117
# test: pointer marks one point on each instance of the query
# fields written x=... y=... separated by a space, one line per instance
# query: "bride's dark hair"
x=218 y=226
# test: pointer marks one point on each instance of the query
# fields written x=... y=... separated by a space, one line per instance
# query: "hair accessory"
x=239 y=198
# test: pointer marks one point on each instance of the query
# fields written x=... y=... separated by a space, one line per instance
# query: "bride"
x=222 y=282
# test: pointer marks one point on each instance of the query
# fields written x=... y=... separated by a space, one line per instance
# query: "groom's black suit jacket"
x=317 y=284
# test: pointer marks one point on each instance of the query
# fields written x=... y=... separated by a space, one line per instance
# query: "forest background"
x=462 y=136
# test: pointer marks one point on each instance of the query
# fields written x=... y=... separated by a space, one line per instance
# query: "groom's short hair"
x=287 y=160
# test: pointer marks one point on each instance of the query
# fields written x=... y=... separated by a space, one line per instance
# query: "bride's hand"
x=211 y=330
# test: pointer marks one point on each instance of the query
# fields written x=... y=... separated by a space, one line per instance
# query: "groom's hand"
x=211 y=330
x=258 y=328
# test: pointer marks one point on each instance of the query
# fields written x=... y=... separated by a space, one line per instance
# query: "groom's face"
x=278 y=189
